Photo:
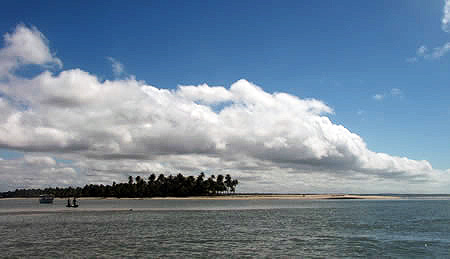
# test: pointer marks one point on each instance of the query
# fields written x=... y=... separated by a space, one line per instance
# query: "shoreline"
x=246 y=197
x=281 y=197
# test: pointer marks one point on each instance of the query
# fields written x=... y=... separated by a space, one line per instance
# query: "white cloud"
x=394 y=92
x=25 y=46
x=439 y=51
x=423 y=52
x=113 y=128
x=36 y=172
x=117 y=67
x=436 y=53
x=446 y=17
x=39 y=160
x=204 y=93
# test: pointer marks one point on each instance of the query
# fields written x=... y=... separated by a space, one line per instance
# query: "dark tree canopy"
x=138 y=187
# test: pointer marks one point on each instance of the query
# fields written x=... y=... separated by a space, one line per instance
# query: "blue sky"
x=343 y=53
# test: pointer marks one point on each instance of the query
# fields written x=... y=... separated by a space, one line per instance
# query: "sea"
x=401 y=228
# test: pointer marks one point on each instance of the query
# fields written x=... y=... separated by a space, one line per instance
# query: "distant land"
x=181 y=187
x=138 y=187
x=264 y=196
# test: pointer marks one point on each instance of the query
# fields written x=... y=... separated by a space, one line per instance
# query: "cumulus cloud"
x=39 y=160
x=33 y=171
x=25 y=46
x=113 y=128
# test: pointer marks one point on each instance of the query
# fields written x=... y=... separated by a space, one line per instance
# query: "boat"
x=73 y=204
x=46 y=198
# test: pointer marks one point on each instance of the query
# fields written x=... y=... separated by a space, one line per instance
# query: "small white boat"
x=46 y=198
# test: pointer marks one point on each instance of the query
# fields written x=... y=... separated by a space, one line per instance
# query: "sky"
x=286 y=96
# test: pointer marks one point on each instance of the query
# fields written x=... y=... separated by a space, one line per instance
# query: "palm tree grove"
x=139 y=187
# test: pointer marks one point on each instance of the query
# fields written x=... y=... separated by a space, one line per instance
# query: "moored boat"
x=46 y=198
x=73 y=204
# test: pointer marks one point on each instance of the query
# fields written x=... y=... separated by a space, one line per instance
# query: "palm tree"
x=200 y=185
x=228 y=182
x=140 y=186
x=219 y=184
x=233 y=185
x=190 y=185
x=151 y=178
x=159 y=184
x=150 y=191
x=130 y=180
x=130 y=191
x=211 y=185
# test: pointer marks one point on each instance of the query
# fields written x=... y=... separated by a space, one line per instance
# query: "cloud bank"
x=105 y=130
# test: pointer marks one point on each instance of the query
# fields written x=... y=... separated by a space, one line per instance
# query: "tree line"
x=139 y=187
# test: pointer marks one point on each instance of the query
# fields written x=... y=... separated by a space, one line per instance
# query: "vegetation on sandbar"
x=138 y=187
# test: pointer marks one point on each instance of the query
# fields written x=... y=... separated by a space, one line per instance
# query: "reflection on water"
x=218 y=228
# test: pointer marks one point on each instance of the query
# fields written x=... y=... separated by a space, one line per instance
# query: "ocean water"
x=408 y=228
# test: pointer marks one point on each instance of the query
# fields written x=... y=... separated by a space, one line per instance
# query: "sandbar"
x=248 y=197
x=262 y=197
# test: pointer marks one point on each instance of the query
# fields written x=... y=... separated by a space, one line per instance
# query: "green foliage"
x=171 y=186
